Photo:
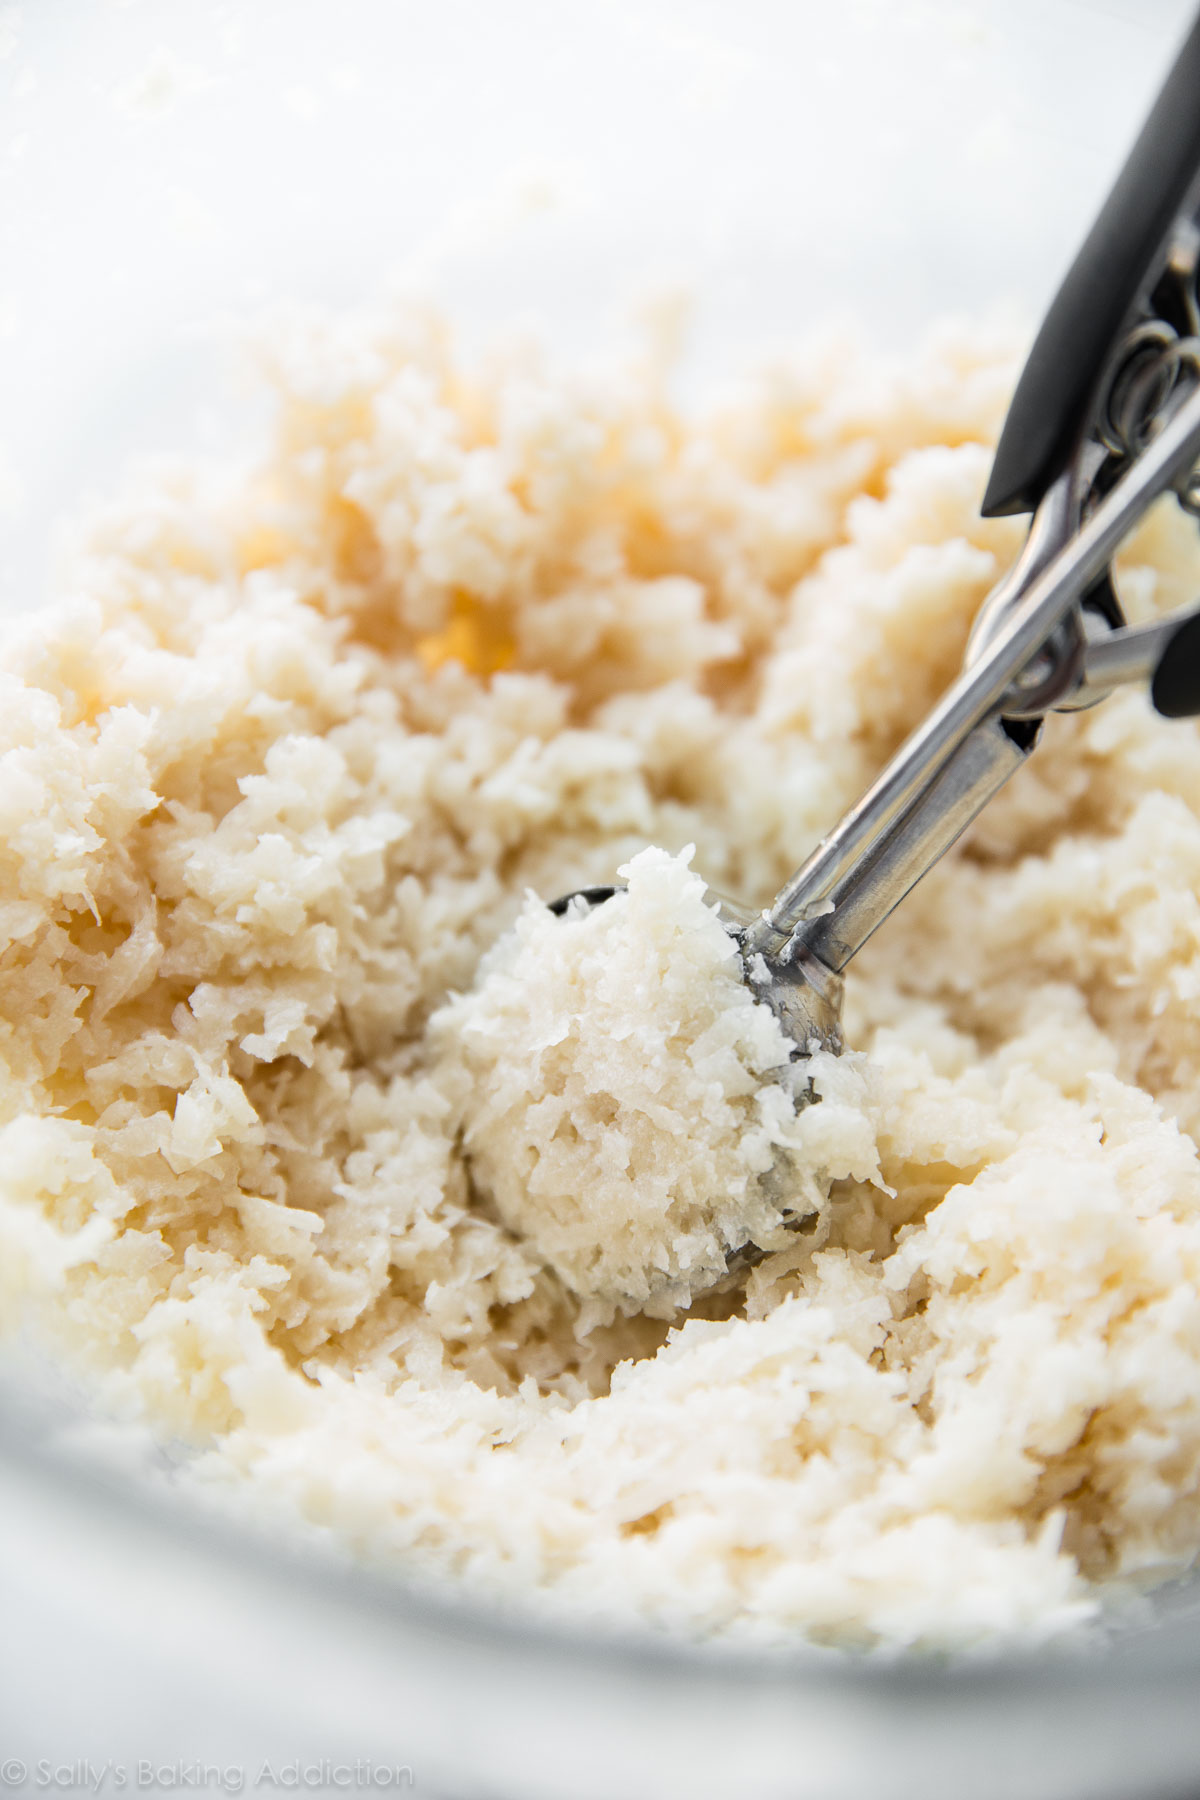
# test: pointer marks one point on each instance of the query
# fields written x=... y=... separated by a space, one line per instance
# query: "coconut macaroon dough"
x=304 y=1172
x=628 y=1106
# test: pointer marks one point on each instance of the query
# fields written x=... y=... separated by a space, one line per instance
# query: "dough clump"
x=280 y=771
x=626 y=1100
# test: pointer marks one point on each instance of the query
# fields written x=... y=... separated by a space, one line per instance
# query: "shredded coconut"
x=627 y=1105
x=277 y=779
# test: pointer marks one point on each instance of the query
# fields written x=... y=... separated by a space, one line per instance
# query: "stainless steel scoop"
x=1105 y=418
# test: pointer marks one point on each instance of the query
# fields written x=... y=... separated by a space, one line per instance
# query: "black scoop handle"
x=1051 y=400
x=1175 y=688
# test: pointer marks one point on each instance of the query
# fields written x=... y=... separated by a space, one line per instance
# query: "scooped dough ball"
x=628 y=1106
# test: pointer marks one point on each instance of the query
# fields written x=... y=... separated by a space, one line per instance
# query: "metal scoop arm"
x=1105 y=418
x=903 y=823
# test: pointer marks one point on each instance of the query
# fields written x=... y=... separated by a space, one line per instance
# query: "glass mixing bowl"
x=168 y=168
